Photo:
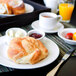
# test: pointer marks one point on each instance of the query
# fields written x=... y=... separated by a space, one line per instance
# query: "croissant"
x=26 y=50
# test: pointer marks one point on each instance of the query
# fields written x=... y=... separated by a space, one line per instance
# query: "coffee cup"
x=48 y=20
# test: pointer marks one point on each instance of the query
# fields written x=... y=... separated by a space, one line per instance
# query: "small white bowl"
x=63 y=32
x=15 y=32
x=38 y=32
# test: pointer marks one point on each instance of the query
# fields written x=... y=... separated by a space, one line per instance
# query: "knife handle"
x=53 y=72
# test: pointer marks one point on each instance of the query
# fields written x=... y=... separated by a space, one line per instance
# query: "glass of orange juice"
x=66 y=9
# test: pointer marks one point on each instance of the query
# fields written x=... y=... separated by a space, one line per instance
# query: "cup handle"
x=59 y=18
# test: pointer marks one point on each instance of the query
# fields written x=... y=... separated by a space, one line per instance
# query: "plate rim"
x=48 y=31
x=24 y=13
x=10 y=66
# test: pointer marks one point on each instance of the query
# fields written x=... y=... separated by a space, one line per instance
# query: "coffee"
x=47 y=16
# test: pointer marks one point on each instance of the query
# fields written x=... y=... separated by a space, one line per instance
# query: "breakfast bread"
x=14 y=6
x=2 y=9
x=18 y=7
x=8 y=8
x=5 y=9
x=19 y=10
x=26 y=50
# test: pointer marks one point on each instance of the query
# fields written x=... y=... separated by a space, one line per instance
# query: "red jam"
x=35 y=35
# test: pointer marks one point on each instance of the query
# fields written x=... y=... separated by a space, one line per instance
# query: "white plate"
x=52 y=56
x=35 y=25
x=29 y=8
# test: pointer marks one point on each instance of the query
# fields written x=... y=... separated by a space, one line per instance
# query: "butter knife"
x=65 y=57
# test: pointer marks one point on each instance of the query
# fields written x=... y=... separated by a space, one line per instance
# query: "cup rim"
x=50 y=13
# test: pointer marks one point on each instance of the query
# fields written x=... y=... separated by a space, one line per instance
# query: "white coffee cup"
x=48 y=20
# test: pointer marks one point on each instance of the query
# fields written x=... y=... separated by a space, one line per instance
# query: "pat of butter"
x=11 y=33
x=18 y=33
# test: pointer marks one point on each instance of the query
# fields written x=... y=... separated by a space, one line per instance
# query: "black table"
x=44 y=70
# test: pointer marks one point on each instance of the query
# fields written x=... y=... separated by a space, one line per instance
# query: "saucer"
x=59 y=26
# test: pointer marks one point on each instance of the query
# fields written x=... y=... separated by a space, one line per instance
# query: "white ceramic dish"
x=52 y=56
x=14 y=32
x=38 y=32
x=63 y=32
x=35 y=25
x=29 y=9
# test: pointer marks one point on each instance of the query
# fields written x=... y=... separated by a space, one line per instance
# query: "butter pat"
x=11 y=33
x=19 y=34
x=15 y=32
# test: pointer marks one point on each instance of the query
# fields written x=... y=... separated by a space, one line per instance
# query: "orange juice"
x=65 y=10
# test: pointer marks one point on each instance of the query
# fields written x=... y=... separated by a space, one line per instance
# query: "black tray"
x=23 y=19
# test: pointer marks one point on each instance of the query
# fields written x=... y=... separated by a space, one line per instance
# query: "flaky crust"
x=26 y=50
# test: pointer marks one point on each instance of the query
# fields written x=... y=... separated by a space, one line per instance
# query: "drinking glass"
x=66 y=9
